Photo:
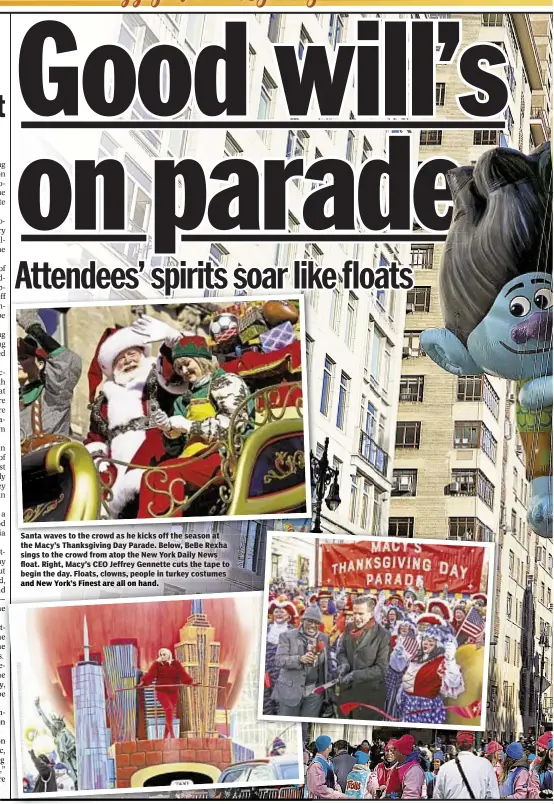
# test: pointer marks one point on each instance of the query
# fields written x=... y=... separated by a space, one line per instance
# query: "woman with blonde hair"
x=167 y=674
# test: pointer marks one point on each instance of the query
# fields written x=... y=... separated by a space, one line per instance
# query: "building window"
x=297 y=144
x=353 y=498
x=418 y=300
x=402 y=526
x=275 y=574
x=336 y=306
x=474 y=435
x=485 y=137
x=404 y=482
x=337 y=465
x=427 y=137
x=471 y=483
x=408 y=434
x=350 y=329
x=365 y=504
x=411 y=388
x=509 y=121
x=285 y=252
x=327 y=387
x=309 y=353
x=249 y=545
x=469 y=529
x=422 y=256
x=232 y=148
x=266 y=104
x=376 y=353
x=336 y=29
x=274 y=27
x=492 y=20
x=351 y=146
x=509 y=605
x=511 y=558
x=411 y=345
x=314 y=253
x=344 y=392
x=507 y=654
x=302 y=42
x=476 y=389
x=440 y=91
x=367 y=150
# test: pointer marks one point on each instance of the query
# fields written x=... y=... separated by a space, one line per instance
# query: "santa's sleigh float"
x=261 y=468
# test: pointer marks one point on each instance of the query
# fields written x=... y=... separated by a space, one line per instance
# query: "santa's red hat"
x=121 y=340
x=429 y=619
x=419 y=604
x=442 y=605
x=479 y=596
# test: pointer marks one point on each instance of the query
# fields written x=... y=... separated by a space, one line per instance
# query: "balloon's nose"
x=538 y=327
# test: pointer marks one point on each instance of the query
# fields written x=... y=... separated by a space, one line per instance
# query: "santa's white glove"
x=160 y=419
x=152 y=330
x=450 y=651
x=180 y=423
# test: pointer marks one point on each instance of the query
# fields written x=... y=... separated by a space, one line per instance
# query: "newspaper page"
x=276 y=484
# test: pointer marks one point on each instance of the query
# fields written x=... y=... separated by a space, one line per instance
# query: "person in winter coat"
x=540 y=776
x=410 y=772
x=168 y=673
x=494 y=755
x=343 y=762
x=320 y=779
x=431 y=775
x=358 y=778
x=384 y=779
x=514 y=779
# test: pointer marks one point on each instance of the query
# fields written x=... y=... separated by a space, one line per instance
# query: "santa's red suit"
x=120 y=427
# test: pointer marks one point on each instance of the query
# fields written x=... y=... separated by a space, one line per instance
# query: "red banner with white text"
x=399 y=566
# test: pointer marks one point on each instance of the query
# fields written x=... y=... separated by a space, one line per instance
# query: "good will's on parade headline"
x=392 y=65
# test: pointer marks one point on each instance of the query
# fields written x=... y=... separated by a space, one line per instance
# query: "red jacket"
x=165 y=675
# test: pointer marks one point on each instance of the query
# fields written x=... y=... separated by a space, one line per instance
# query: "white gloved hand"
x=180 y=423
x=152 y=330
x=450 y=651
x=160 y=419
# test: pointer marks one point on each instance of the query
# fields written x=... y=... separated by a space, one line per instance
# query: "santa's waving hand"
x=121 y=429
x=153 y=330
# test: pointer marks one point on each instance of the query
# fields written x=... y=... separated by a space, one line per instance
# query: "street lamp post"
x=544 y=643
x=324 y=477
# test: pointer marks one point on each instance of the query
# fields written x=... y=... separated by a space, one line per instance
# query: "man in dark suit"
x=363 y=660
x=303 y=661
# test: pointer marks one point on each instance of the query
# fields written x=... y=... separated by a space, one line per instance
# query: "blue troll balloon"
x=495 y=287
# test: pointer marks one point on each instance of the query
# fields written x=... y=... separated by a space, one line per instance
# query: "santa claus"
x=122 y=430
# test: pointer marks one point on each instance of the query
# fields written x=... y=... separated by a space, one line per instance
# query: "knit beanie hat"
x=438 y=755
x=515 y=751
x=322 y=742
x=191 y=346
x=549 y=746
x=544 y=738
x=493 y=746
x=361 y=757
x=405 y=745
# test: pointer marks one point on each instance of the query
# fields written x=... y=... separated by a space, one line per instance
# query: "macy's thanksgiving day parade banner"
x=401 y=566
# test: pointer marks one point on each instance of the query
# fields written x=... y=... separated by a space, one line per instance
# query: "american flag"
x=473 y=625
x=409 y=643
x=468 y=712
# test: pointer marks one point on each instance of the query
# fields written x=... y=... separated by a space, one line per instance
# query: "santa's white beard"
x=123 y=378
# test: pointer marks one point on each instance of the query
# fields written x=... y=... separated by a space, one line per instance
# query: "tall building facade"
x=459 y=470
x=91 y=732
x=199 y=652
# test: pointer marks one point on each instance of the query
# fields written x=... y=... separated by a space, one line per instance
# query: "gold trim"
x=85 y=498
x=285 y=465
x=241 y=504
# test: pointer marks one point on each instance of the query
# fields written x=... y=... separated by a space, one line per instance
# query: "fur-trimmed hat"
x=440 y=604
x=285 y=604
x=395 y=600
x=479 y=597
x=119 y=341
x=419 y=604
x=428 y=620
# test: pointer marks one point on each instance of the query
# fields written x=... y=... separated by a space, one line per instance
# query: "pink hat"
x=544 y=739
x=405 y=745
x=492 y=747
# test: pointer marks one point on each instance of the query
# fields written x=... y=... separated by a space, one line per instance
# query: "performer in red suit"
x=121 y=426
x=166 y=672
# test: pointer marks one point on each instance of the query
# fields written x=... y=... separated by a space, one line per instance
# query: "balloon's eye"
x=520 y=306
x=543 y=299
